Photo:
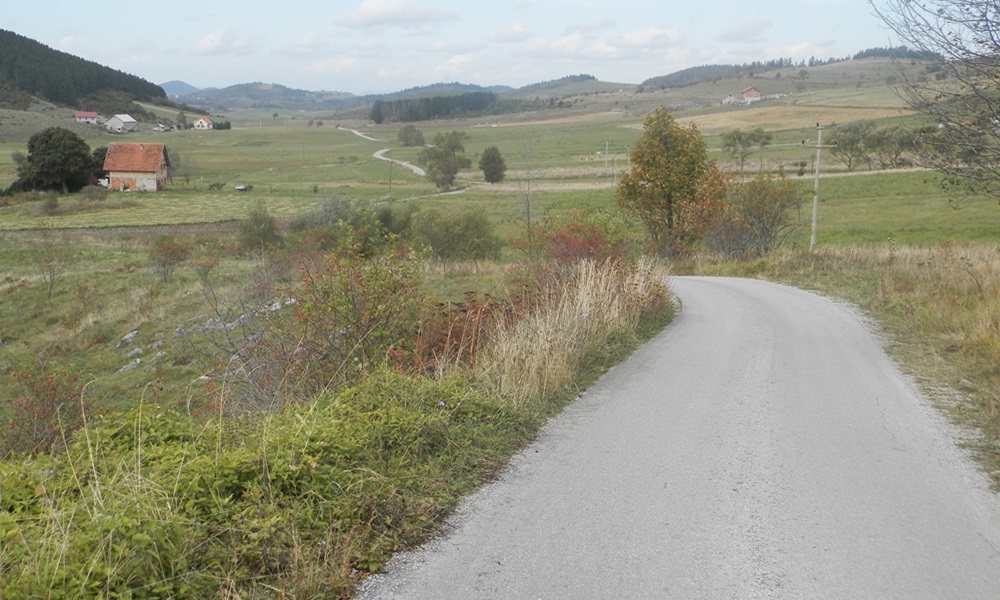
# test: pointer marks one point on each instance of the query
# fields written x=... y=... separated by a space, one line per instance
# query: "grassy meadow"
x=184 y=499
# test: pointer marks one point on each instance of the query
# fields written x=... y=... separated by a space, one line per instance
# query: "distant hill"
x=62 y=78
x=692 y=75
x=706 y=73
x=266 y=95
x=437 y=89
x=261 y=95
x=175 y=89
x=568 y=86
x=715 y=72
x=272 y=95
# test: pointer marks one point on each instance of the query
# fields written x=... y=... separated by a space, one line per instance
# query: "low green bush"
x=151 y=504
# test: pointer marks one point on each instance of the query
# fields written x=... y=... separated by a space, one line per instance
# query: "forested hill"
x=62 y=78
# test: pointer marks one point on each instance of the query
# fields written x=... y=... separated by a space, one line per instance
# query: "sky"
x=381 y=46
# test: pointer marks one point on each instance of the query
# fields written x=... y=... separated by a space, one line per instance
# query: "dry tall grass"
x=530 y=359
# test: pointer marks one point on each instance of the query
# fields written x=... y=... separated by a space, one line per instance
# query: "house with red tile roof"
x=139 y=167
x=204 y=123
x=85 y=117
x=750 y=94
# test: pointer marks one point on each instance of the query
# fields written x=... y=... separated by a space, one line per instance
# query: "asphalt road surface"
x=763 y=446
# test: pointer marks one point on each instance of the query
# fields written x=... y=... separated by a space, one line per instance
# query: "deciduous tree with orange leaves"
x=673 y=187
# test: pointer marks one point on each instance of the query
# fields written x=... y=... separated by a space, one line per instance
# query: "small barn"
x=138 y=167
x=85 y=117
x=121 y=124
x=204 y=123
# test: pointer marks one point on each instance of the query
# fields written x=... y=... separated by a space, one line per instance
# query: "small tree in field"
x=493 y=165
x=259 y=231
x=757 y=218
x=409 y=135
x=890 y=144
x=737 y=143
x=166 y=253
x=852 y=144
x=464 y=234
x=673 y=186
x=445 y=158
x=52 y=261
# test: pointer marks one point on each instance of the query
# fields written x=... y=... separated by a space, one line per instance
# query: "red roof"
x=140 y=158
x=84 y=115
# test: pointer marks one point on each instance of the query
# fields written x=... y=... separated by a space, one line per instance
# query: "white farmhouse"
x=204 y=123
x=121 y=124
x=85 y=117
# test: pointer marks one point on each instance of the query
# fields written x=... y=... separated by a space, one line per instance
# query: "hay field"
x=785 y=117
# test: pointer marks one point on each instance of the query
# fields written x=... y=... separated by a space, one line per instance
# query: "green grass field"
x=869 y=224
x=564 y=161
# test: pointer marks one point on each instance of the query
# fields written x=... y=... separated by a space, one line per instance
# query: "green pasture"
x=909 y=207
x=561 y=166
x=569 y=163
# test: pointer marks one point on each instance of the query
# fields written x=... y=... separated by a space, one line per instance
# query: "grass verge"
x=302 y=502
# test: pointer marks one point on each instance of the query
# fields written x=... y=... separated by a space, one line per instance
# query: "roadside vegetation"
x=287 y=407
x=264 y=392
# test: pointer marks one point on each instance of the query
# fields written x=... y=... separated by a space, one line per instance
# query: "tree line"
x=63 y=78
x=469 y=104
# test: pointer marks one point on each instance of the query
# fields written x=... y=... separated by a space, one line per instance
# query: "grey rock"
x=135 y=363
x=127 y=338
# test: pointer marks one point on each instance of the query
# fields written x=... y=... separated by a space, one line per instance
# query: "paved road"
x=762 y=447
x=414 y=168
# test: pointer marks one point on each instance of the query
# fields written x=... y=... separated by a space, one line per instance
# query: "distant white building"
x=204 y=123
x=121 y=124
x=85 y=117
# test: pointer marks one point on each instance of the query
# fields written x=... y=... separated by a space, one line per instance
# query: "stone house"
x=138 y=167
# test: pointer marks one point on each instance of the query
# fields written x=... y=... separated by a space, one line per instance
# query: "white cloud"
x=454 y=64
x=512 y=34
x=746 y=32
x=376 y=13
x=586 y=44
x=333 y=64
x=574 y=45
x=648 y=37
x=224 y=41
x=311 y=42
x=453 y=47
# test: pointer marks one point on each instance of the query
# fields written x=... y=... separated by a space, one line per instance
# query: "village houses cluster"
x=140 y=167
x=126 y=124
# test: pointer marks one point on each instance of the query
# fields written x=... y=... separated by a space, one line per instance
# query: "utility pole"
x=819 y=145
